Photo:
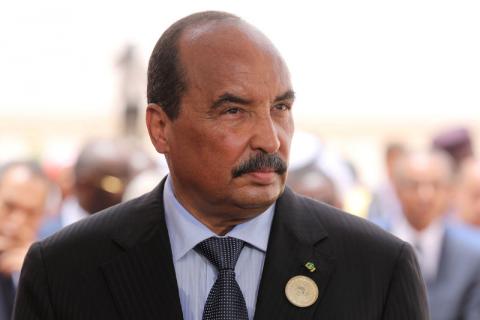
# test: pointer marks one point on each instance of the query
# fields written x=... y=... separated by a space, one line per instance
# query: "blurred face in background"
x=96 y=194
x=394 y=152
x=22 y=203
x=423 y=185
x=314 y=184
x=467 y=192
x=101 y=172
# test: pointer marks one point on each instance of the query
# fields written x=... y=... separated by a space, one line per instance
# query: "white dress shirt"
x=195 y=274
x=427 y=244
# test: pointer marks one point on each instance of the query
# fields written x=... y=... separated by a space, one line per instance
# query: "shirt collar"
x=433 y=233
x=185 y=231
x=427 y=244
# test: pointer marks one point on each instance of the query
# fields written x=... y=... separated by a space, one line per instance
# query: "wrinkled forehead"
x=229 y=47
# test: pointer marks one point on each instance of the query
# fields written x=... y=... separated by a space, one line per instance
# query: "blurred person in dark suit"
x=102 y=170
x=449 y=262
x=23 y=193
x=221 y=237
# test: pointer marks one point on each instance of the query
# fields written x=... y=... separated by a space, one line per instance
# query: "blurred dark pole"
x=132 y=83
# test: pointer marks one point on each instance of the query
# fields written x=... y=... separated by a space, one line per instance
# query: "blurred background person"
x=328 y=169
x=312 y=182
x=23 y=194
x=315 y=171
x=146 y=179
x=449 y=263
x=319 y=171
x=100 y=174
x=467 y=193
x=58 y=167
x=384 y=200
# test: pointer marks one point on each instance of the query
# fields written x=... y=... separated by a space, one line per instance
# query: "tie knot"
x=223 y=253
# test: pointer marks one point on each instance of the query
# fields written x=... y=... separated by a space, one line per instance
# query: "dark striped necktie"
x=225 y=300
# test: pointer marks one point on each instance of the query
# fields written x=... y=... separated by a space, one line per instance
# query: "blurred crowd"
x=429 y=198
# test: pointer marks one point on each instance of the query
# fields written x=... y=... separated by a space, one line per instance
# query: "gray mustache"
x=261 y=161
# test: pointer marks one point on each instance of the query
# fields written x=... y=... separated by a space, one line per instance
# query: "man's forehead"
x=231 y=31
x=234 y=52
x=230 y=39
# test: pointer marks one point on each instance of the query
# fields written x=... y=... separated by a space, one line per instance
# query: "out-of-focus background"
x=373 y=79
x=364 y=72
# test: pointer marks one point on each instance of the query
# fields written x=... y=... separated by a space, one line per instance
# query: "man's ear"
x=158 y=125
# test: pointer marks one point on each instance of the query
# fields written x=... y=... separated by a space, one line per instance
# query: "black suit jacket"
x=118 y=265
x=7 y=294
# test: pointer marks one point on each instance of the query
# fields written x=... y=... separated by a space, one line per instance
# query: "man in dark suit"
x=221 y=237
x=448 y=253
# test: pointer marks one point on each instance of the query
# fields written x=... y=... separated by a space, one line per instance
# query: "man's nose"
x=426 y=192
x=265 y=135
x=14 y=221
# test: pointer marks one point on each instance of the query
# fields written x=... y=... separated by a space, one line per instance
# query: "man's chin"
x=258 y=196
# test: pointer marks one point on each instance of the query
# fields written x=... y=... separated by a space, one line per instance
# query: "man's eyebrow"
x=288 y=95
x=229 y=98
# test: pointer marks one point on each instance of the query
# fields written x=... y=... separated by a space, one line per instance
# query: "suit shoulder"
x=463 y=243
x=96 y=225
x=95 y=235
x=350 y=230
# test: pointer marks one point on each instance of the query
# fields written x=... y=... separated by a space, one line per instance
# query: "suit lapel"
x=142 y=278
x=296 y=237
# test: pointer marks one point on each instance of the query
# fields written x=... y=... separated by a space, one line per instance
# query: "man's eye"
x=281 y=107
x=232 y=111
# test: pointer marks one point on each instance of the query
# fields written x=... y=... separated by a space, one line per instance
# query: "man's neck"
x=219 y=219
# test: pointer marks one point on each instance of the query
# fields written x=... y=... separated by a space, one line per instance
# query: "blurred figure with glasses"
x=449 y=263
x=23 y=194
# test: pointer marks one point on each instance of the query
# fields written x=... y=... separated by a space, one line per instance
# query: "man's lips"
x=265 y=176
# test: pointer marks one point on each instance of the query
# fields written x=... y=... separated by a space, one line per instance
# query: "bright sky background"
x=364 y=59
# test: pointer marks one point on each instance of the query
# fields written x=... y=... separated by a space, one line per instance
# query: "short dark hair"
x=166 y=81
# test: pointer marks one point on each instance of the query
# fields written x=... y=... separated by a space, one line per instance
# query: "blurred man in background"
x=310 y=174
x=312 y=182
x=100 y=174
x=23 y=194
x=450 y=264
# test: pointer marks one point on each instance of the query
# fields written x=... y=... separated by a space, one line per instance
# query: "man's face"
x=22 y=201
x=236 y=106
x=102 y=186
x=423 y=189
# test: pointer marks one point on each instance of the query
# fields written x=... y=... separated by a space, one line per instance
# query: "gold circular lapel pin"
x=301 y=291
